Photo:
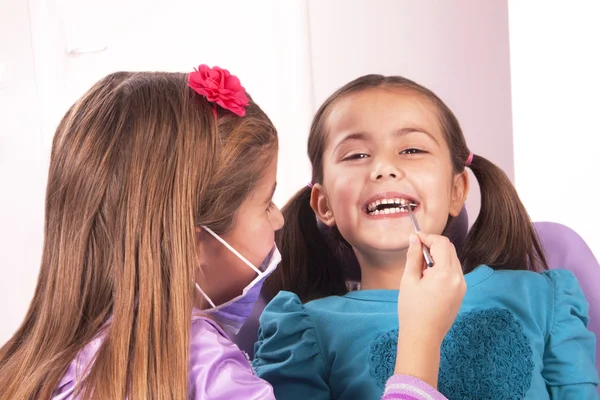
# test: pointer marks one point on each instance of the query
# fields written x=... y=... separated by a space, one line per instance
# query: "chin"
x=386 y=245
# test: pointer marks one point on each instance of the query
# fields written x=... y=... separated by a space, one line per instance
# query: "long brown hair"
x=137 y=163
x=316 y=259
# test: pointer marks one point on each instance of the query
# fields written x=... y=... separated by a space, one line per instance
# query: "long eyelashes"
x=358 y=156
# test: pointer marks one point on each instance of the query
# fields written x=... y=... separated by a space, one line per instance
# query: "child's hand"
x=430 y=298
x=428 y=303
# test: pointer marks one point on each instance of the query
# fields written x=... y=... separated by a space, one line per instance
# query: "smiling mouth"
x=390 y=206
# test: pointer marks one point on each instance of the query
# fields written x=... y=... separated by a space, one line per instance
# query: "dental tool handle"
x=428 y=259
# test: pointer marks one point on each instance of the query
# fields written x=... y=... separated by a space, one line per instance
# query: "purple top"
x=219 y=370
x=404 y=387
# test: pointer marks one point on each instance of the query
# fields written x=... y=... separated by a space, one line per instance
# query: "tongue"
x=384 y=206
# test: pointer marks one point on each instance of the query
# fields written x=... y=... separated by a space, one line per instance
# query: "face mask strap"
x=234 y=251
x=205 y=295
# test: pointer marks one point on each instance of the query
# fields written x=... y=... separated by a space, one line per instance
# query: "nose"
x=277 y=219
x=385 y=169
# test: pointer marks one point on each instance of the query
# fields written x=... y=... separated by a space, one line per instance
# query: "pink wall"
x=459 y=49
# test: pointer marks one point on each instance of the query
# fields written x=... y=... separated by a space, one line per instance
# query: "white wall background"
x=556 y=104
x=23 y=167
x=263 y=42
x=290 y=55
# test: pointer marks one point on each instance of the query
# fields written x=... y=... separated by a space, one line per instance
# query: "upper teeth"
x=403 y=203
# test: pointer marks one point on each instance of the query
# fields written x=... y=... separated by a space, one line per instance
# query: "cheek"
x=433 y=180
x=262 y=238
x=436 y=191
x=343 y=192
x=255 y=242
x=344 y=202
x=223 y=275
x=263 y=245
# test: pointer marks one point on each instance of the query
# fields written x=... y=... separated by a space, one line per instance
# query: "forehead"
x=383 y=110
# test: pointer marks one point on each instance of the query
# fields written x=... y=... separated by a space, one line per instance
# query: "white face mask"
x=233 y=313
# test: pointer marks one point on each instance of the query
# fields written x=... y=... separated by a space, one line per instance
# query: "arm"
x=428 y=303
x=218 y=368
x=418 y=357
x=569 y=354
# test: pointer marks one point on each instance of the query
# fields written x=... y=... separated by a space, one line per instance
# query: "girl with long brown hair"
x=145 y=178
x=159 y=231
x=381 y=147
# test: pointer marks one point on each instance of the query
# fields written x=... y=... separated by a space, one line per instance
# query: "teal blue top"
x=518 y=335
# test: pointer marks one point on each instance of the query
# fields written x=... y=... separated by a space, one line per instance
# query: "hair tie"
x=219 y=87
x=309 y=184
x=469 y=160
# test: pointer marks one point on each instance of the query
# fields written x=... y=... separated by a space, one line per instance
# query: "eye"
x=412 y=150
x=271 y=206
x=355 y=156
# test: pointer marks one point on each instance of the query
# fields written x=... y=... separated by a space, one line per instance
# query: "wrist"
x=418 y=357
x=419 y=337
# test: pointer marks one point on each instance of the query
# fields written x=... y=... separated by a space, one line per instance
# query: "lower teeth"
x=389 y=211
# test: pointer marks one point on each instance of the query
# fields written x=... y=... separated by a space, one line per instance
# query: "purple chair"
x=565 y=249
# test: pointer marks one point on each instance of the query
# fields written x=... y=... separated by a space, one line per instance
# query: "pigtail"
x=308 y=267
x=503 y=235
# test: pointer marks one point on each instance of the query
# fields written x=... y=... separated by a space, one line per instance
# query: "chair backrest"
x=565 y=249
x=456 y=231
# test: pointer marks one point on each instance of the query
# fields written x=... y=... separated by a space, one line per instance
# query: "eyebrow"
x=351 y=136
x=406 y=131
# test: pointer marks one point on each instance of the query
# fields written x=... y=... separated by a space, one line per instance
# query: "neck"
x=381 y=271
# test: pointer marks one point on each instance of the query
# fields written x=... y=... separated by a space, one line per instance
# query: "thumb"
x=414 y=259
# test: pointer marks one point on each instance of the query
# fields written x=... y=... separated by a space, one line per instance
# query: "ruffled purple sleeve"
x=405 y=387
x=219 y=370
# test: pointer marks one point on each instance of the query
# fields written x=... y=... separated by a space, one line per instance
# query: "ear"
x=460 y=189
x=201 y=244
x=320 y=205
x=199 y=300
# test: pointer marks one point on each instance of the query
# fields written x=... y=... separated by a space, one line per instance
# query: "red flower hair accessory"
x=219 y=87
